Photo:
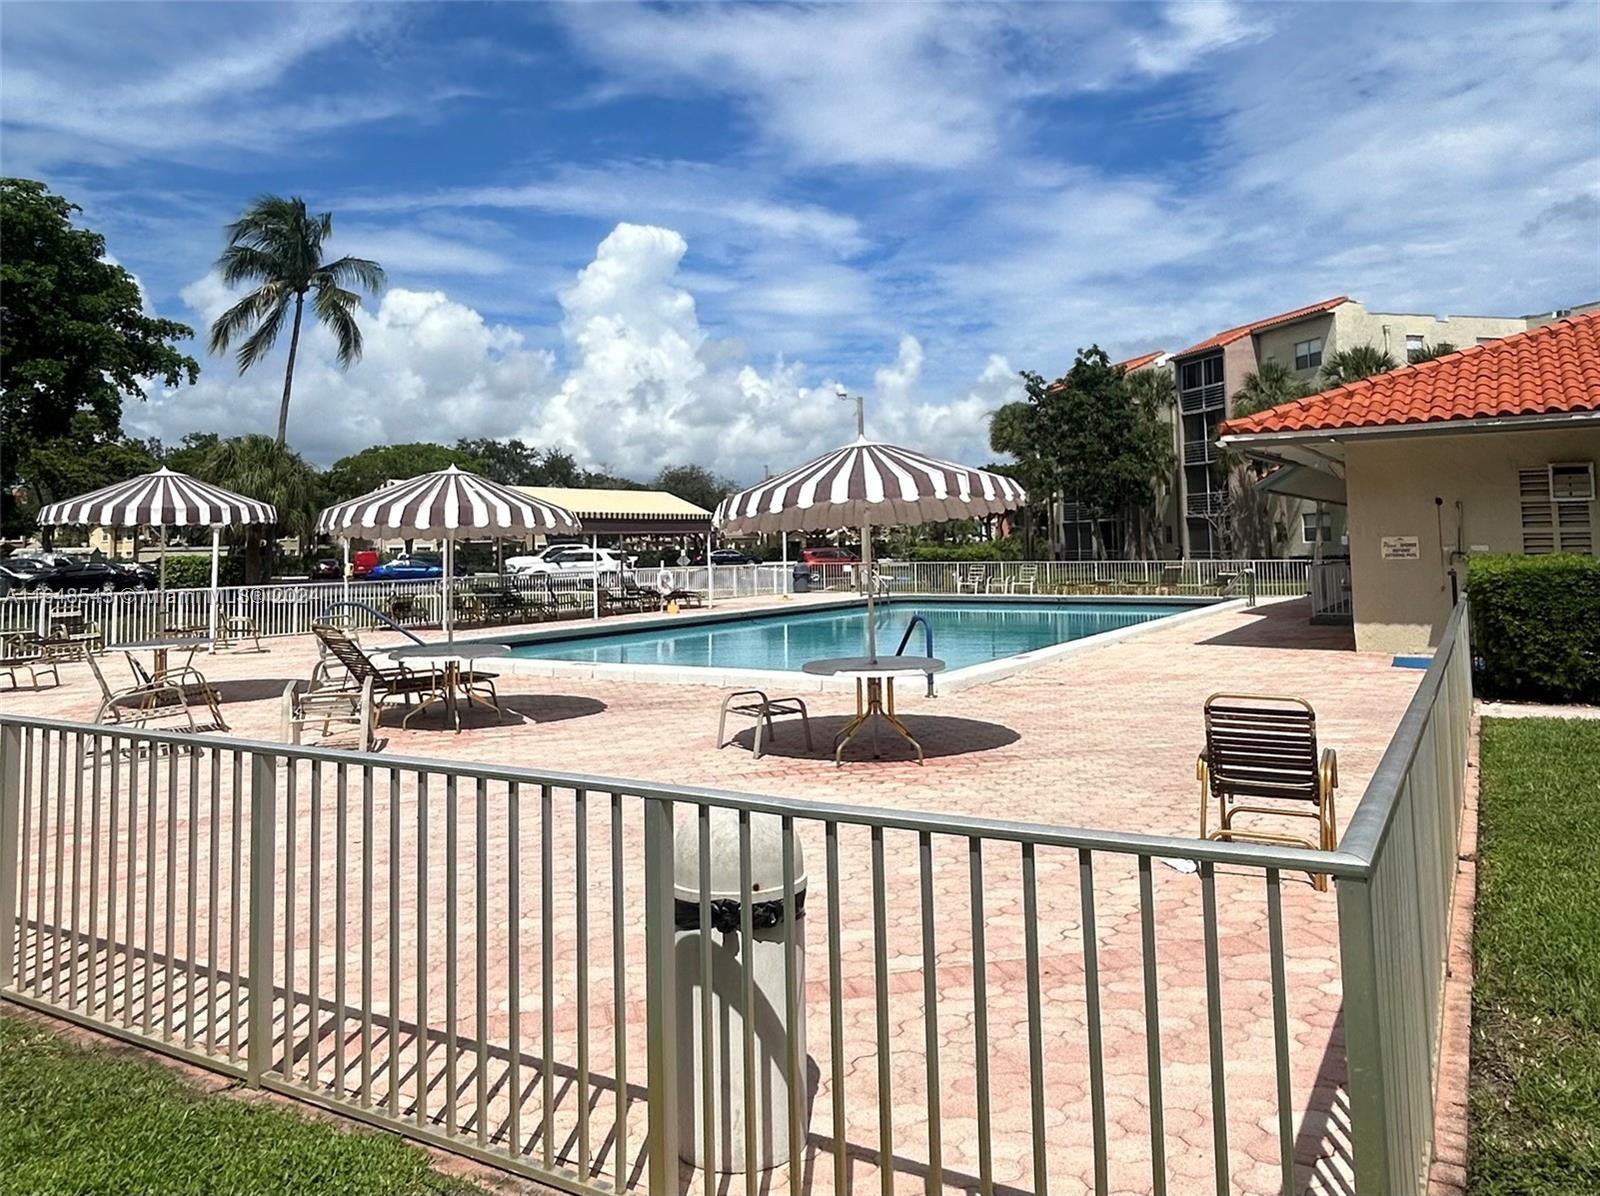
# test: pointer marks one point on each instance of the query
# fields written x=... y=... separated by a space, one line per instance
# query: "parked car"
x=531 y=561
x=406 y=568
x=829 y=556
x=733 y=556
x=579 y=561
x=143 y=573
x=325 y=568
x=363 y=562
x=60 y=573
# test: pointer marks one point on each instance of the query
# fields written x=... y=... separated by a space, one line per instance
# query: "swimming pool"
x=965 y=633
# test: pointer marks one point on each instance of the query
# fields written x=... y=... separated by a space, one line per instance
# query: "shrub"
x=1536 y=627
x=192 y=571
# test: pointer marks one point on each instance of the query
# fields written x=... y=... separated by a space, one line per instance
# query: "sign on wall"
x=1400 y=548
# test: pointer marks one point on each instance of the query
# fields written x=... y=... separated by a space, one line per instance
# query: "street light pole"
x=861 y=409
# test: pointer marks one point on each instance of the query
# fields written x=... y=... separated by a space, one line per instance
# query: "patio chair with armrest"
x=1171 y=578
x=1027 y=577
x=25 y=650
x=396 y=682
x=977 y=579
x=142 y=705
x=1261 y=758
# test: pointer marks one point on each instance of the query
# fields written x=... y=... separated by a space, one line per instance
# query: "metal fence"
x=275 y=610
x=487 y=959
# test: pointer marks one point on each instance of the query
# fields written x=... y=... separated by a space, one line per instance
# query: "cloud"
x=1191 y=30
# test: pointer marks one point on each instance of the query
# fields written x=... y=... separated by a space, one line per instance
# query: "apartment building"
x=1210 y=373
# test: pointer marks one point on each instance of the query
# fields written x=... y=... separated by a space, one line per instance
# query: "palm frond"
x=263 y=337
x=356 y=271
x=335 y=309
x=253 y=307
x=246 y=263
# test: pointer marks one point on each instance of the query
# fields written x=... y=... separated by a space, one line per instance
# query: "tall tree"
x=373 y=467
x=694 y=483
x=1155 y=396
x=1353 y=364
x=75 y=341
x=1255 y=523
x=517 y=464
x=278 y=244
x=258 y=467
x=1010 y=428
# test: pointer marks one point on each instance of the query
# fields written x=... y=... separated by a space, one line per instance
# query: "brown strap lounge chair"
x=1261 y=758
x=397 y=682
x=144 y=704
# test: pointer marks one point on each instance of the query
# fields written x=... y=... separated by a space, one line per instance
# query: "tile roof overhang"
x=1228 y=336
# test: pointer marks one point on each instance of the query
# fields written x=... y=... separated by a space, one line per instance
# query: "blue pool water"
x=965 y=633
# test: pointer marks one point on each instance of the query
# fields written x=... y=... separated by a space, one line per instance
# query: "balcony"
x=1199 y=452
x=1203 y=398
x=1206 y=502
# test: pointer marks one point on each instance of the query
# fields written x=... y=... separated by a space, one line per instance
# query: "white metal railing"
x=1197 y=452
x=278 y=610
x=1394 y=922
x=452 y=951
x=1206 y=502
x=1330 y=589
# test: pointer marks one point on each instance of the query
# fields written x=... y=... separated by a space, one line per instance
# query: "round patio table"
x=159 y=648
x=874 y=678
x=451 y=657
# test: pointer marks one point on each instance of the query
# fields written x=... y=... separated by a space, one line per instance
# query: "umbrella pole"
x=449 y=580
x=216 y=545
x=594 y=582
x=345 y=574
x=711 y=577
x=872 y=606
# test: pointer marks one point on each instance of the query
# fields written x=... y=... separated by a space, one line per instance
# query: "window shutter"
x=1556 y=509
x=1538 y=515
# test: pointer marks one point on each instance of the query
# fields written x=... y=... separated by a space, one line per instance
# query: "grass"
x=1535 y=1096
x=79 y=1120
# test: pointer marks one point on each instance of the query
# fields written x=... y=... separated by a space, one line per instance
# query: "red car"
x=363 y=562
x=828 y=556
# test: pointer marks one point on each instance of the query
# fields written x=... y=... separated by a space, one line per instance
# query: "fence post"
x=1363 y=1022
x=263 y=871
x=661 y=1022
x=10 y=828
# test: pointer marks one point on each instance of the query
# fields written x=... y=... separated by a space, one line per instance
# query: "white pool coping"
x=781 y=680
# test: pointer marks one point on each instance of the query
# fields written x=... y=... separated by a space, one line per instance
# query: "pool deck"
x=1103 y=737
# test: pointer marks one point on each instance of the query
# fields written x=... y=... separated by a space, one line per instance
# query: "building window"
x=1554 y=517
x=1487 y=340
x=1308 y=354
x=1317 y=525
x=1414 y=343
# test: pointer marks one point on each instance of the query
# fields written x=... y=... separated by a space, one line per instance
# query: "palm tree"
x=258 y=466
x=278 y=244
x=1429 y=352
x=1351 y=365
x=1271 y=383
x=1255 y=523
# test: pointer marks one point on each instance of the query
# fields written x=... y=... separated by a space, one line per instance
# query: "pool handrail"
x=382 y=618
x=927 y=643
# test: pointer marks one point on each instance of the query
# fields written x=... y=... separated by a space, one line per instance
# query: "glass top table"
x=875 y=677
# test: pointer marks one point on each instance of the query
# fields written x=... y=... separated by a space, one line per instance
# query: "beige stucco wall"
x=1350 y=325
x=1400 y=606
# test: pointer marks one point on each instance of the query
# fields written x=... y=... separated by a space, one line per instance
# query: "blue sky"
x=661 y=234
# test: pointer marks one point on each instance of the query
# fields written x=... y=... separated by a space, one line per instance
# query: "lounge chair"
x=25 y=650
x=142 y=705
x=1264 y=750
x=188 y=681
x=1171 y=579
x=397 y=682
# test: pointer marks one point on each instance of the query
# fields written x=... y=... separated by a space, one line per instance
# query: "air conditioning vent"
x=1572 y=481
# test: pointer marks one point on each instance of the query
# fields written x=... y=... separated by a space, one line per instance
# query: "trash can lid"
x=766 y=857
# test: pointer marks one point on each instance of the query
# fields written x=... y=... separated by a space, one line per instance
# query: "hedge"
x=1536 y=627
x=192 y=571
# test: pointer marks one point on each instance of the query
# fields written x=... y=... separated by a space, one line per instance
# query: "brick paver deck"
x=1104 y=739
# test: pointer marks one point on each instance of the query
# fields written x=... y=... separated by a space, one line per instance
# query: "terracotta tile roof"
x=1138 y=363
x=1243 y=330
x=1552 y=369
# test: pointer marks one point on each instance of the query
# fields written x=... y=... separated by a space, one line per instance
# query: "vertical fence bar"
x=514 y=965
x=708 y=1087
x=1030 y=936
x=1280 y=1027
x=148 y=996
x=11 y=803
x=480 y=863
x=581 y=903
x=25 y=830
x=235 y=898
x=747 y=1001
x=1369 y=1081
x=95 y=798
x=1219 y=1093
x=660 y=1015
x=366 y=937
x=880 y=990
x=792 y=995
x=39 y=865
x=106 y=1006
x=314 y=935
x=341 y=860
x=1152 y=1029
x=74 y=935
x=213 y=884
x=547 y=974
x=930 y=1014
x=130 y=891
x=394 y=942
x=191 y=897
x=421 y=1107
x=263 y=825
x=168 y=993
x=835 y=1011
x=980 y=1015
x=619 y=990
x=1091 y=990
x=290 y=884
x=450 y=949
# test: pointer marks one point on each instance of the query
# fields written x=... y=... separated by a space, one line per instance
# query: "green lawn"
x=1535 y=1107
x=76 y=1120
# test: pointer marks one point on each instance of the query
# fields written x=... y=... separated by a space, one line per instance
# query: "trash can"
x=729 y=957
x=802 y=579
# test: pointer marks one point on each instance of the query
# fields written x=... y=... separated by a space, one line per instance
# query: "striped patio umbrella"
x=867 y=484
x=163 y=499
x=445 y=504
